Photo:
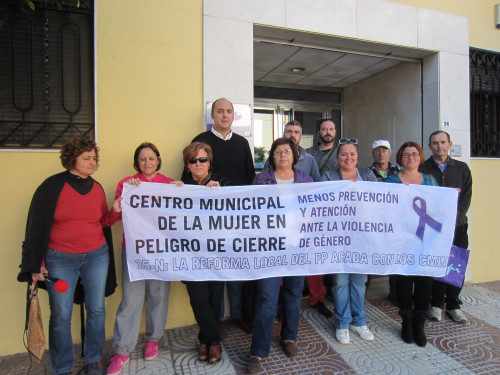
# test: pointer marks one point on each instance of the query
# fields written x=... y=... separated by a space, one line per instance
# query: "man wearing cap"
x=382 y=167
x=325 y=151
x=455 y=174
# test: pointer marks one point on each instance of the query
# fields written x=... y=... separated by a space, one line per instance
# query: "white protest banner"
x=251 y=232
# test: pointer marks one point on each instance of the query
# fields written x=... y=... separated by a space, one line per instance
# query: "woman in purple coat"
x=282 y=158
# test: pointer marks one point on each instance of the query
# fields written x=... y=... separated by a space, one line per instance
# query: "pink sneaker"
x=150 y=350
x=116 y=364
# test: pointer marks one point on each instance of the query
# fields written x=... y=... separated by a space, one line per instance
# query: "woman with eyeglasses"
x=205 y=296
x=282 y=158
x=413 y=292
x=348 y=289
x=147 y=163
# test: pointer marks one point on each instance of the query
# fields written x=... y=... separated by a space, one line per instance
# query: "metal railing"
x=46 y=70
x=484 y=103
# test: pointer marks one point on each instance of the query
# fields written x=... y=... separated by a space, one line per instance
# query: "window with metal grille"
x=46 y=75
x=484 y=103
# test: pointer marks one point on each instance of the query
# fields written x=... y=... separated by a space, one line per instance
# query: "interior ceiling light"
x=297 y=69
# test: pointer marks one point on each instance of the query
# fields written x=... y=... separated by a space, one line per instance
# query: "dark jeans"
x=443 y=293
x=268 y=291
x=413 y=292
x=206 y=298
x=248 y=303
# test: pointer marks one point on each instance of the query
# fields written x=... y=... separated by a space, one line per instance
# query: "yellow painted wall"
x=482 y=34
x=149 y=87
x=482 y=31
x=485 y=256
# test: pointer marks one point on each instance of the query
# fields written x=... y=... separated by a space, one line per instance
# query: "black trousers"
x=413 y=292
x=206 y=301
x=443 y=293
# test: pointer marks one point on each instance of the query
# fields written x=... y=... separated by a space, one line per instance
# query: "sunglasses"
x=201 y=160
x=344 y=141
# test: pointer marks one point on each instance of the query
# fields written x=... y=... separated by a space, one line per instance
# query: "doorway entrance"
x=271 y=116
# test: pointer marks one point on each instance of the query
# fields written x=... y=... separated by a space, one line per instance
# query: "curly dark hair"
x=279 y=142
x=74 y=148
x=399 y=155
x=138 y=150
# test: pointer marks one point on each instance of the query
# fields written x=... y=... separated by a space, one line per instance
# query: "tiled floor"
x=473 y=348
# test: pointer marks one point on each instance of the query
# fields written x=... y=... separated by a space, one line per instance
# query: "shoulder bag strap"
x=323 y=164
x=432 y=179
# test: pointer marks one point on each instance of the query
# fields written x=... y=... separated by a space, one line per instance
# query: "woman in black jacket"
x=205 y=296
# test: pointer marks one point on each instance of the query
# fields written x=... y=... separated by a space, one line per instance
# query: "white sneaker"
x=364 y=332
x=434 y=314
x=342 y=336
x=457 y=315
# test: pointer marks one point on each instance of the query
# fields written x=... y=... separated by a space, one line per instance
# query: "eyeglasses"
x=281 y=152
x=344 y=141
x=414 y=155
x=201 y=160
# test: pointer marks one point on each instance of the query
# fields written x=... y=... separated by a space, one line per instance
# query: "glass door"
x=271 y=116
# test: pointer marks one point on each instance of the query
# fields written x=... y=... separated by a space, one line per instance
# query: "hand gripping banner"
x=251 y=232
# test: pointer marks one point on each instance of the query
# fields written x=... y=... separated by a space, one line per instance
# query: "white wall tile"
x=228 y=62
x=387 y=22
x=454 y=90
x=335 y=17
x=440 y=31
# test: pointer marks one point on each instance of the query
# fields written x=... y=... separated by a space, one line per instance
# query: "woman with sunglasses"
x=147 y=163
x=283 y=156
x=413 y=292
x=348 y=289
x=205 y=296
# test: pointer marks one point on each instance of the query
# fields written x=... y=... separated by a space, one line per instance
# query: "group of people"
x=68 y=237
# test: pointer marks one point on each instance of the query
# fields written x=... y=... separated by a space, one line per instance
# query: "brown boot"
x=290 y=348
x=214 y=355
x=254 y=366
x=203 y=352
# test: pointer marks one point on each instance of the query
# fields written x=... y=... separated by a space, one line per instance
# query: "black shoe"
x=95 y=368
x=254 y=366
x=244 y=326
x=322 y=309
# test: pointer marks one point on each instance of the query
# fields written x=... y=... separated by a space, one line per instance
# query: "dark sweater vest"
x=232 y=159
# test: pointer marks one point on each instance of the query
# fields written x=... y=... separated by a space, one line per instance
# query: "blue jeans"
x=235 y=294
x=92 y=268
x=268 y=291
x=349 y=297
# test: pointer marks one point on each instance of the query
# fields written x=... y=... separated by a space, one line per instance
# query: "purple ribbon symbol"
x=424 y=218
